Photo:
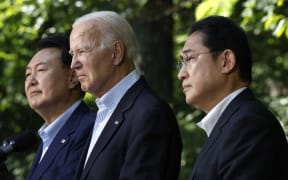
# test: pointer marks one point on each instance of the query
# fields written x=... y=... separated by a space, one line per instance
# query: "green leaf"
x=215 y=7
x=280 y=28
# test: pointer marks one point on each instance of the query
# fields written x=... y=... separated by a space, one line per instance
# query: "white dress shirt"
x=210 y=120
x=48 y=132
x=106 y=106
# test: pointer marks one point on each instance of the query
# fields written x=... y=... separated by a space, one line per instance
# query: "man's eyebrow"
x=38 y=64
x=188 y=50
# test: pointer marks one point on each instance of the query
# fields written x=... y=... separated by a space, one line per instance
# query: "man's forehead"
x=45 y=56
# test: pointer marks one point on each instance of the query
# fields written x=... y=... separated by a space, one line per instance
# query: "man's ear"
x=73 y=80
x=118 y=52
x=228 y=63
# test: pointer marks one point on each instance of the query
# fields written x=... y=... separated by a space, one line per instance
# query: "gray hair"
x=112 y=27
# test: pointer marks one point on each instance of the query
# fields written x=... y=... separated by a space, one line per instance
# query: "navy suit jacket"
x=141 y=141
x=63 y=155
x=247 y=143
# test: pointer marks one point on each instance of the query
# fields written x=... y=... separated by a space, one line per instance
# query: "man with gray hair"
x=135 y=135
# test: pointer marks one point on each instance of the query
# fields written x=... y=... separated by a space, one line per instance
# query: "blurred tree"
x=161 y=27
x=154 y=26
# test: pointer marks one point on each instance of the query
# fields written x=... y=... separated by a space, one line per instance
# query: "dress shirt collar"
x=107 y=105
x=114 y=95
x=210 y=120
x=48 y=132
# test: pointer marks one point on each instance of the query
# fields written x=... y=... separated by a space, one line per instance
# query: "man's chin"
x=84 y=87
x=189 y=100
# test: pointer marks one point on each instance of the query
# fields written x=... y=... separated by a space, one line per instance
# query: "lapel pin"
x=116 y=122
x=63 y=141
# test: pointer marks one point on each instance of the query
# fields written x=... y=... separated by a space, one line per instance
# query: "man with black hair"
x=245 y=140
x=54 y=92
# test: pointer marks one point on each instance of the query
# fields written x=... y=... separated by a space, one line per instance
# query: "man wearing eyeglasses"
x=245 y=140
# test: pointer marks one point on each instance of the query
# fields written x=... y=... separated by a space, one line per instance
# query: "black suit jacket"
x=141 y=141
x=63 y=155
x=247 y=143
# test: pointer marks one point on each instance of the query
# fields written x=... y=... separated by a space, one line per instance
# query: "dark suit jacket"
x=63 y=155
x=247 y=143
x=141 y=141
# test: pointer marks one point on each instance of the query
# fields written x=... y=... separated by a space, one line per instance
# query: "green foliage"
x=213 y=7
x=271 y=13
x=23 y=22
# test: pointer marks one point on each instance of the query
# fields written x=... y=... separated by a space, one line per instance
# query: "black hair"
x=61 y=42
x=57 y=41
x=222 y=33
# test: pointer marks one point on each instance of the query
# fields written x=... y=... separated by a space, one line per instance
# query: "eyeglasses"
x=184 y=61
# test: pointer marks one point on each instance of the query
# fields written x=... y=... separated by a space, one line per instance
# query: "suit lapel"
x=224 y=118
x=60 y=141
x=114 y=123
x=82 y=160
x=81 y=164
x=49 y=157
x=35 y=161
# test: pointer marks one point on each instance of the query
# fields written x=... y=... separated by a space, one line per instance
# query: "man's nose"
x=75 y=64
